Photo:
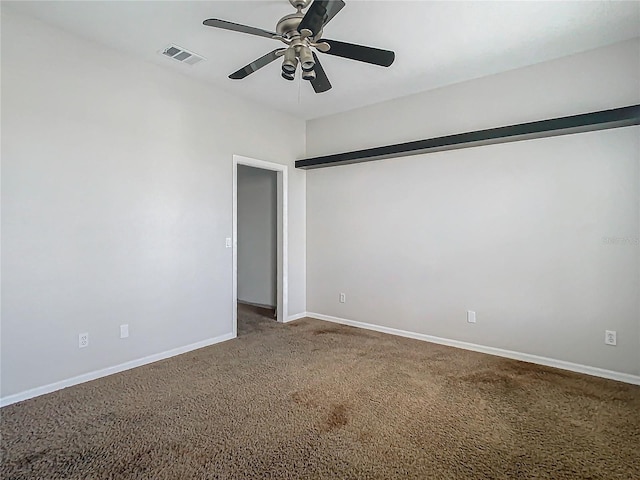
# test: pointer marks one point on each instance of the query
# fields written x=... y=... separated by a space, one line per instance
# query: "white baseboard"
x=86 y=377
x=297 y=316
x=525 y=357
x=260 y=305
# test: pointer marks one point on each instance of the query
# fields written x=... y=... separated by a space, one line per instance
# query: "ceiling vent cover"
x=181 y=55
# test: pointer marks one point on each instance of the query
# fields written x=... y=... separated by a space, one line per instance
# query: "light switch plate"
x=471 y=316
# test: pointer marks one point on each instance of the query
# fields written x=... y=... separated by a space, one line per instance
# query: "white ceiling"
x=436 y=43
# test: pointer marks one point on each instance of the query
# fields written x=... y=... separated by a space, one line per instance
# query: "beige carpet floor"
x=314 y=400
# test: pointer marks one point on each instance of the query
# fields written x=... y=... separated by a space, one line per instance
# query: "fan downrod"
x=300 y=4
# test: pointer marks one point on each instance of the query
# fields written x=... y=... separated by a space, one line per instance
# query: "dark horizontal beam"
x=586 y=122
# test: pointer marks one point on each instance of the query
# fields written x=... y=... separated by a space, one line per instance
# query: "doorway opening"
x=259 y=238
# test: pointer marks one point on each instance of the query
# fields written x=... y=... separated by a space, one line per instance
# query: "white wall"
x=518 y=232
x=116 y=201
x=257 y=236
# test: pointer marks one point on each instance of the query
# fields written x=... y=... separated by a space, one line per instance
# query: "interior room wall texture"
x=539 y=237
x=116 y=202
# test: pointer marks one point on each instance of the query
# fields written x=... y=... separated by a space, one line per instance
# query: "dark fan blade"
x=376 y=56
x=257 y=64
x=321 y=82
x=236 y=27
x=319 y=14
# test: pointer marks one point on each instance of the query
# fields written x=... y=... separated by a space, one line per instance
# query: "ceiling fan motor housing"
x=288 y=26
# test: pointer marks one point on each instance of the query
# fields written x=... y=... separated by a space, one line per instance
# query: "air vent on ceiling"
x=181 y=54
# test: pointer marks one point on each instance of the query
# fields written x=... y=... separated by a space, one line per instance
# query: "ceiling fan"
x=302 y=32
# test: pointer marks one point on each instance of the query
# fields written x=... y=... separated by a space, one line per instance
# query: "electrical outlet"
x=471 y=316
x=124 y=331
x=610 y=337
x=83 y=340
x=343 y=298
x=227 y=242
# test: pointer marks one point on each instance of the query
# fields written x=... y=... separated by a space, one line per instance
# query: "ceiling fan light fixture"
x=308 y=75
x=288 y=76
x=306 y=59
x=289 y=67
x=290 y=62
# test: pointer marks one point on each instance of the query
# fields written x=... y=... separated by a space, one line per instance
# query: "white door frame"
x=282 y=296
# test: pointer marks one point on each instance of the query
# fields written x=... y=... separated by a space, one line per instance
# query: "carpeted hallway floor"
x=314 y=400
